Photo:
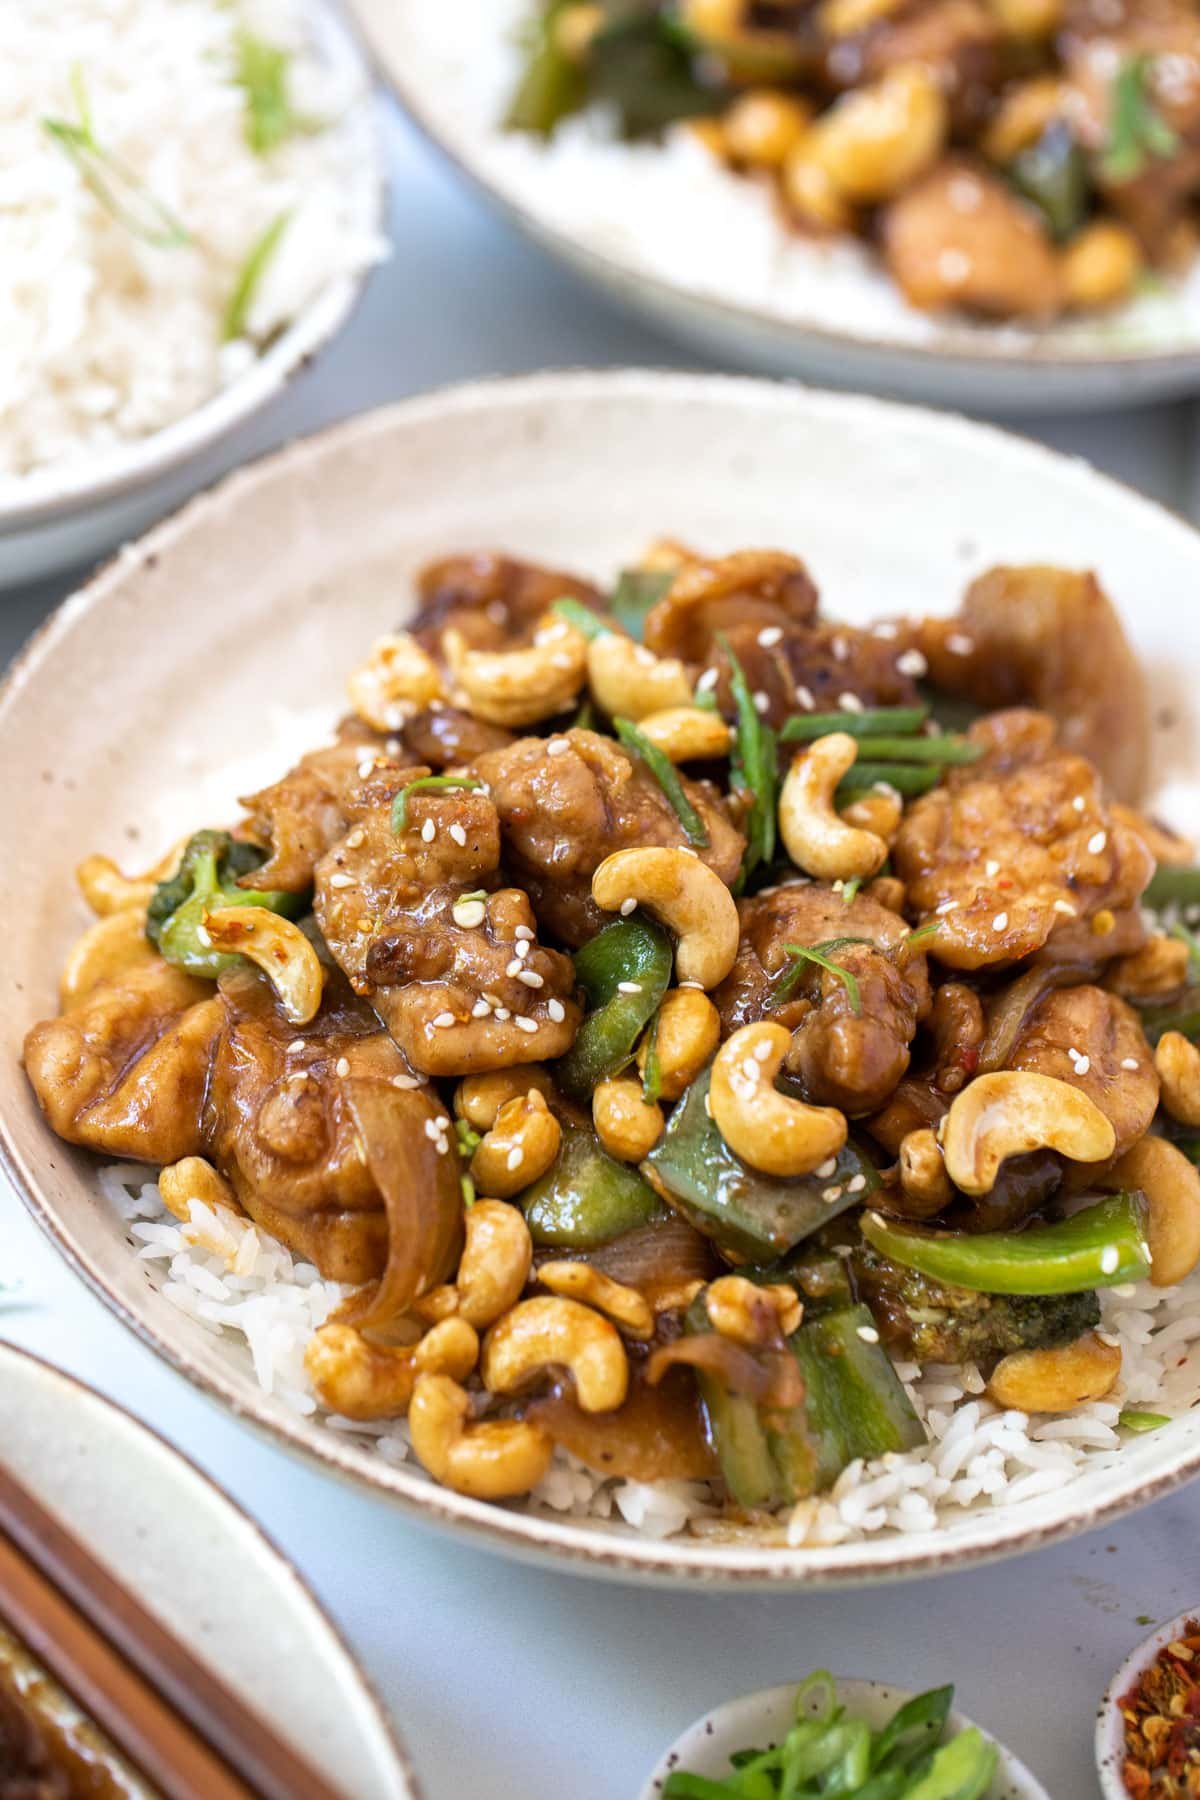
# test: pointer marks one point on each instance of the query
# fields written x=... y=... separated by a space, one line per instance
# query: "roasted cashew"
x=1178 y=1063
x=478 y=1098
x=765 y=1128
x=887 y=890
x=356 y=1378
x=194 y=1178
x=492 y=1270
x=281 y=951
x=1033 y=1381
x=686 y=1034
x=451 y=1348
x=751 y=1315
x=580 y=1281
x=520 y=1146
x=111 y=947
x=1171 y=1184
x=397 y=678
x=1159 y=968
x=816 y=839
x=627 y=1125
x=520 y=687
x=879 y=811
x=686 y=896
x=107 y=890
x=1013 y=1111
x=552 y=1333
x=923 y=1177
x=492 y=1460
x=877 y=139
x=628 y=681
x=686 y=733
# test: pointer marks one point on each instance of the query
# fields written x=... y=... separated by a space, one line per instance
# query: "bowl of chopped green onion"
x=858 y=1740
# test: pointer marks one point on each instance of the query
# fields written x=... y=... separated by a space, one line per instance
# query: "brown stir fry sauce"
x=654 y=1013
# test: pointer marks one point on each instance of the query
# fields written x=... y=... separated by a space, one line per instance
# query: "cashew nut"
x=1159 y=968
x=1178 y=1063
x=923 y=1177
x=397 y=677
x=519 y=687
x=629 y=681
x=194 y=1178
x=478 y=1098
x=686 y=896
x=765 y=1128
x=450 y=1348
x=751 y=1315
x=492 y=1460
x=281 y=951
x=520 y=1146
x=1171 y=1185
x=110 y=948
x=876 y=139
x=493 y=1269
x=1033 y=1381
x=107 y=890
x=816 y=839
x=1012 y=1111
x=356 y=1378
x=887 y=890
x=687 y=1033
x=580 y=1281
x=627 y=1125
x=553 y=1333
x=880 y=810
x=686 y=733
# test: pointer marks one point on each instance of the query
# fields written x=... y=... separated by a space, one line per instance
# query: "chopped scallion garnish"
x=250 y=276
x=638 y=590
x=1137 y=130
x=900 y=721
x=581 y=617
x=426 y=784
x=262 y=71
x=753 y=769
x=667 y=777
x=822 y=955
x=114 y=185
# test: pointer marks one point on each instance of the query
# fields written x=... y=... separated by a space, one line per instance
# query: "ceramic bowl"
x=1110 y=1727
x=194 y=666
x=763 y=1718
x=453 y=66
x=202 y=1567
x=62 y=517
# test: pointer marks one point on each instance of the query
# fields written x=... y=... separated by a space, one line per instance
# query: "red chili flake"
x=1162 y=1723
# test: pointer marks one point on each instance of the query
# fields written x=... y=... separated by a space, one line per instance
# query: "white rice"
x=242 y=1285
x=673 y=212
x=105 y=337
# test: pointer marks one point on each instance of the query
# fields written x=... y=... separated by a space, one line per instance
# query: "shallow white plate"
x=764 y=1718
x=61 y=517
x=698 y=262
x=192 y=668
x=1110 y=1727
x=202 y=1567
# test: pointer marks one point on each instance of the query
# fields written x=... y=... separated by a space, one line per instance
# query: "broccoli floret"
x=205 y=881
x=929 y=1322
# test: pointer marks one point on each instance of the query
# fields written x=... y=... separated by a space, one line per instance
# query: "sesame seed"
x=556 y=1010
x=1079 y=803
x=1110 y=1259
x=826 y=1169
x=523 y=1024
x=946 y=906
x=355 y=838
x=698 y=985
x=468 y=913
x=958 y=645
x=840 y=648
x=203 y=936
x=433 y=1130
x=1097 y=842
x=830 y=1194
x=522 y=949
x=443 y=1019
x=428 y=831
x=645 y=657
x=626 y=907
x=1082 y=1065
x=1145 y=1250
x=1125 y=1290
x=531 y=978
x=556 y=746
x=857 y=1185
x=850 y=703
x=405 y=1082
x=763 y=1052
x=365 y=767
x=629 y=987
x=1130 y=1062
x=480 y=1010
x=341 y=881
x=392 y=746
x=300 y=1075
x=769 y=636
x=341 y=1066
x=762 y=702
x=515 y=1157
x=502 y=1013
x=912 y=663
x=1068 y=911
x=295 y=1045
x=805 y=697
x=1000 y=922
x=523 y=932
x=458 y=834
x=492 y=999
x=991 y=868
x=885 y=629
x=708 y=681
x=868 y=1334
x=514 y=967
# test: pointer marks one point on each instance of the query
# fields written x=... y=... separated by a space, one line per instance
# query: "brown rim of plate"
x=275 y=1551
x=583 y=1545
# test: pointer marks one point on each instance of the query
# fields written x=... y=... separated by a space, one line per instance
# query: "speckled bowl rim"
x=581 y=1546
x=57 y=493
x=1110 y=1732
x=270 y=1546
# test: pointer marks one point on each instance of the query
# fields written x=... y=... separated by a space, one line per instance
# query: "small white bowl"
x=61 y=517
x=1110 y=1727
x=763 y=1718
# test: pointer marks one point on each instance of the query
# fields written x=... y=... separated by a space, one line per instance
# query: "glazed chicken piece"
x=494 y=601
x=300 y=816
x=752 y=589
x=445 y=737
x=450 y=963
x=125 y=1071
x=960 y=237
x=563 y=811
x=1094 y=1041
x=1049 y=638
x=283 y=1122
x=848 y=1058
x=1002 y=860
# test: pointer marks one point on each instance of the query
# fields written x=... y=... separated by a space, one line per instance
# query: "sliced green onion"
x=802 y=728
x=1133 y=1420
x=426 y=784
x=1193 y=948
x=581 y=617
x=667 y=777
x=250 y=276
x=906 y=778
x=1137 y=130
x=821 y=955
x=636 y=592
x=850 y=890
x=1173 y=887
x=944 y=749
x=112 y=183
x=262 y=72
x=753 y=769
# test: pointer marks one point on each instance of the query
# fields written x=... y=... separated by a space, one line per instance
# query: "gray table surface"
x=510 y=1683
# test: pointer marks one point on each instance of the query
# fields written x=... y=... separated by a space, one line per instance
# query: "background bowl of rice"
x=666 y=230
x=289 y=568
x=114 y=374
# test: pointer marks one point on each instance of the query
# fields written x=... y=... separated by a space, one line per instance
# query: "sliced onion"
x=657 y=1435
x=1009 y=1010
x=771 y=1378
x=659 y=1260
x=421 y=1194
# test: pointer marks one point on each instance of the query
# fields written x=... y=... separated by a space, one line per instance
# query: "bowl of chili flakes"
x=1148 y=1729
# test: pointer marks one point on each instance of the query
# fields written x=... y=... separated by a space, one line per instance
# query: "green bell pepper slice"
x=1173 y=887
x=586 y=1198
x=624 y=971
x=1101 y=1246
x=855 y=1403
